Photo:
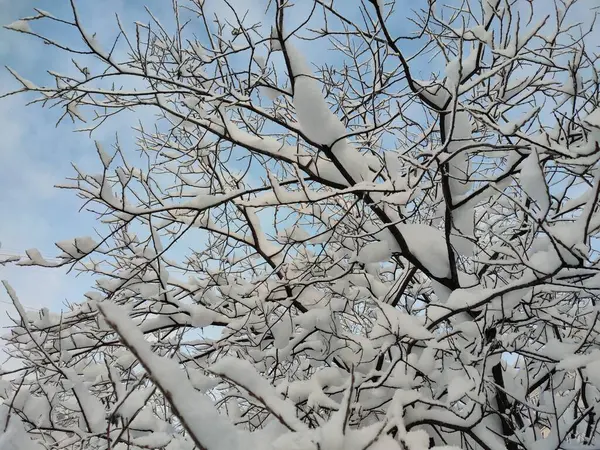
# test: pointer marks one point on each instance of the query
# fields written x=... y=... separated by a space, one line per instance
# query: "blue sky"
x=36 y=155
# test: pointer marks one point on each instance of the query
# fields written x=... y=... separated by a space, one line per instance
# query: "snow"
x=198 y=50
x=260 y=61
x=398 y=198
x=316 y=120
x=274 y=41
x=35 y=258
x=203 y=201
x=104 y=157
x=458 y=387
x=511 y=128
x=427 y=360
x=458 y=165
x=393 y=322
x=317 y=346
x=282 y=330
x=593 y=372
x=191 y=101
x=44 y=13
x=85 y=244
x=463 y=220
x=13 y=434
x=489 y=6
x=575 y=361
x=92 y=408
x=195 y=410
x=264 y=144
x=74 y=111
x=19 y=25
x=77 y=247
x=26 y=83
x=242 y=373
x=201 y=316
x=534 y=184
x=375 y=252
x=428 y=245
x=94 y=45
x=457 y=70
x=202 y=382
x=134 y=402
x=270 y=93
x=593 y=118
x=153 y=440
x=480 y=33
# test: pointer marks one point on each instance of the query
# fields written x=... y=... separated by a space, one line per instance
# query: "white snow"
x=25 y=82
x=393 y=322
x=134 y=402
x=398 y=198
x=201 y=316
x=153 y=440
x=19 y=25
x=456 y=70
x=315 y=117
x=77 y=247
x=298 y=323
x=270 y=93
x=375 y=252
x=208 y=429
x=242 y=373
x=480 y=33
x=593 y=118
x=489 y=6
x=13 y=435
x=458 y=387
x=104 y=157
x=534 y=184
x=260 y=61
x=428 y=245
x=92 y=408
x=512 y=127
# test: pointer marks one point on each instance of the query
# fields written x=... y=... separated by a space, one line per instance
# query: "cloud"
x=35 y=156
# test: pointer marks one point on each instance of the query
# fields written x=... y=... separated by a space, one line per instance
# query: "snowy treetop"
x=351 y=226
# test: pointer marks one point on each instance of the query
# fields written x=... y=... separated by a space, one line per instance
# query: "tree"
x=379 y=259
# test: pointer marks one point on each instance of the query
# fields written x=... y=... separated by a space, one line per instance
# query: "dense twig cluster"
x=377 y=261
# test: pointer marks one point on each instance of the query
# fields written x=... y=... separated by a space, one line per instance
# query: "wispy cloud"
x=36 y=155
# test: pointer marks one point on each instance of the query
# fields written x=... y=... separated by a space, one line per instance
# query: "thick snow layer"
x=428 y=245
x=13 y=434
x=534 y=184
x=375 y=252
x=594 y=118
x=242 y=373
x=316 y=120
x=19 y=25
x=398 y=323
x=195 y=410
